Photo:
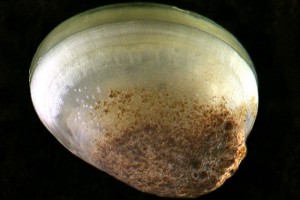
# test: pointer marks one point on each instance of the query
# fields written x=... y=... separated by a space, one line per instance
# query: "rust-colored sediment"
x=168 y=145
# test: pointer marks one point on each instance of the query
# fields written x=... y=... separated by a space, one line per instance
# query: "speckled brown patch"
x=168 y=144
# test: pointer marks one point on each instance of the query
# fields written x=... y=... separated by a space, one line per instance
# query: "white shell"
x=146 y=46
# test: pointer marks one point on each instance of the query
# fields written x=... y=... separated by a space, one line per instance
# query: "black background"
x=33 y=165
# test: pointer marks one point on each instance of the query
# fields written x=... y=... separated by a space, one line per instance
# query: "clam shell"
x=160 y=98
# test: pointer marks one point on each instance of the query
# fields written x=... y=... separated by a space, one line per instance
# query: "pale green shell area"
x=137 y=11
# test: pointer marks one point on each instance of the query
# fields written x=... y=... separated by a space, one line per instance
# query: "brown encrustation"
x=168 y=144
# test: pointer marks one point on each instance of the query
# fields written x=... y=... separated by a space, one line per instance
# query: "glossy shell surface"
x=160 y=98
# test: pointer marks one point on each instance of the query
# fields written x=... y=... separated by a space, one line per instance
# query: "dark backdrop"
x=33 y=165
